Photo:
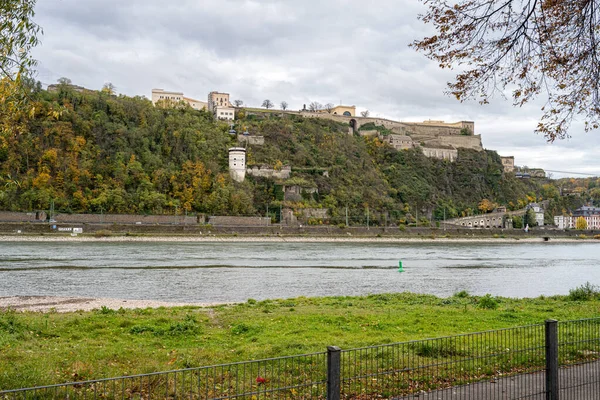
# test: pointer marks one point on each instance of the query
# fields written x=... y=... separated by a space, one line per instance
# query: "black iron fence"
x=541 y=361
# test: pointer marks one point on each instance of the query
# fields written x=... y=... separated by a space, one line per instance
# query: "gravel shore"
x=72 y=304
x=269 y=239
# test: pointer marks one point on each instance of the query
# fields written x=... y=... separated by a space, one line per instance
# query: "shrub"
x=584 y=292
x=105 y=310
x=488 y=302
x=463 y=294
x=438 y=349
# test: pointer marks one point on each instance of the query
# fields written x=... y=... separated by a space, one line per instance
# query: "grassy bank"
x=37 y=348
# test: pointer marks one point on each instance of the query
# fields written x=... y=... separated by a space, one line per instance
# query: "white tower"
x=237 y=163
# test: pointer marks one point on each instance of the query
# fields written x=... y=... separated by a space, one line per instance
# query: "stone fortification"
x=268 y=172
x=441 y=153
x=399 y=142
x=433 y=134
x=487 y=221
x=252 y=139
x=467 y=142
x=237 y=163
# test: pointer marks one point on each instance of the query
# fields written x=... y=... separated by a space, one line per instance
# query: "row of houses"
x=591 y=215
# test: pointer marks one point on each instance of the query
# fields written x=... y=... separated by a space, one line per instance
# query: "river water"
x=233 y=272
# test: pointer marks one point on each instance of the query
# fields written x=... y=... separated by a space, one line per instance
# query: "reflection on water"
x=214 y=272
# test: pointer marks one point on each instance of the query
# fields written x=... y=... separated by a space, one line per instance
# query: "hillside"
x=102 y=153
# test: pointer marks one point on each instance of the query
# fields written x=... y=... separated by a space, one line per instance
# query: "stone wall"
x=238 y=221
x=295 y=192
x=369 y=133
x=488 y=221
x=253 y=140
x=7 y=216
x=10 y=216
x=321 y=213
x=127 y=219
x=268 y=172
x=468 y=142
x=443 y=154
x=399 y=142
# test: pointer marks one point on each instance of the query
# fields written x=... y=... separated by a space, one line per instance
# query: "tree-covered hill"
x=95 y=152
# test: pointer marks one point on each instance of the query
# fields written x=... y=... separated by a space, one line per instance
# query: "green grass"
x=47 y=348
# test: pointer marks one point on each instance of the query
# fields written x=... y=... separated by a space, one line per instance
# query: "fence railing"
x=536 y=361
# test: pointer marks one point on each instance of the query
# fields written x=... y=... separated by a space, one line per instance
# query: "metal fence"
x=545 y=361
x=577 y=354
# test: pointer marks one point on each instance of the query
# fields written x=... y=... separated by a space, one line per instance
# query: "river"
x=234 y=272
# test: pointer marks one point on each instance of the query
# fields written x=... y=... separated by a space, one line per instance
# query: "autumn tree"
x=109 y=88
x=284 y=105
x=528 y=47
x=267 y=104
x=315 y=106
x=581 y=224
x=18 y=35
x=486 y=206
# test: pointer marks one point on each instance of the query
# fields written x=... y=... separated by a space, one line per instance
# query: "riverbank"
x=281 y=238
x=51 y=347
x=73 y=304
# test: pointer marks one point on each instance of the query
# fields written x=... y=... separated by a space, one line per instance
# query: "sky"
x=331 y=51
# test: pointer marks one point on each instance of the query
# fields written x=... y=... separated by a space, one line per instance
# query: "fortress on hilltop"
x=435 y=138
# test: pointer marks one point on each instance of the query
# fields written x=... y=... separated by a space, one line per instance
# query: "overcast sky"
x=330 y=51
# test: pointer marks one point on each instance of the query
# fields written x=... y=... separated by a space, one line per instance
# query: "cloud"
x=351 y=51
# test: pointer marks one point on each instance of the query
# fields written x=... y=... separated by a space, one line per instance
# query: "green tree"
x=517 y=222
x=530 y=218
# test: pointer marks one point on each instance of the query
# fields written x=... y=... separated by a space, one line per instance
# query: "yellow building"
x=171 y=98
x=508 y=163
x=217 y=99
x=348 y=111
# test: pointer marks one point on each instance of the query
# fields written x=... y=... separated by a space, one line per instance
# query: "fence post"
x=551 y=359
x=333 y=372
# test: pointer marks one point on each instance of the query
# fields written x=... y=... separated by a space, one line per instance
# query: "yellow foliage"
x=42 y=180
x=580 y=223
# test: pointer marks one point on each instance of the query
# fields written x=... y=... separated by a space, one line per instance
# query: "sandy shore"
x=268 y=239
x=71 y=304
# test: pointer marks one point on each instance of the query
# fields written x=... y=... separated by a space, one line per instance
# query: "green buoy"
x=400 y=269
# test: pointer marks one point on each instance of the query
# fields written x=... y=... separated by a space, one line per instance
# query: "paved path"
x=581 y=382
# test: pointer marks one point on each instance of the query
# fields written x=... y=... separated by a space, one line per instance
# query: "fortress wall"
x=431 y=130
x=444 y=154
x=256 y=140
x=266 y=172
x=369 y=133
x=469 y=142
